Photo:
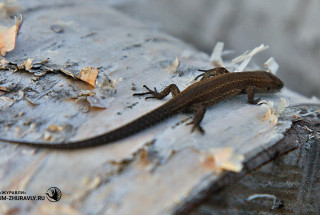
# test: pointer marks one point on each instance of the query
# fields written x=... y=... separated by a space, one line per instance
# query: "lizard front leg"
x=198 y=110
x=211 y=73
x=251 y=91
x=172 y=88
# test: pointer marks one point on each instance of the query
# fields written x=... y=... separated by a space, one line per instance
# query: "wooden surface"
x=293 y=178
x=158 y=171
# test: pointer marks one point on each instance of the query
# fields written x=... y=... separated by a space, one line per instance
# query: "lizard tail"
x=131 y=128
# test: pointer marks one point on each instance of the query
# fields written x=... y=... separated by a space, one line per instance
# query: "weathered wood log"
x=163 y=170
x=287 y=183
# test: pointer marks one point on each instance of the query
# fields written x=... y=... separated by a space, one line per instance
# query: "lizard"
x=215 y=85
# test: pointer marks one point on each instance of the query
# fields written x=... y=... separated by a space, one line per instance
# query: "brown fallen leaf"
x=89 y=75
x=8 y=36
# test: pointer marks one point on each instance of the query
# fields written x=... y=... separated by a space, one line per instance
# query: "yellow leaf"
x=89 y=75
x=8 y=36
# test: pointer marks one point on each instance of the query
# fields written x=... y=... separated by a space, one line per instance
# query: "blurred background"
x=290 y=28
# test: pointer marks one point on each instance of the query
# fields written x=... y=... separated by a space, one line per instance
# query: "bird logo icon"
x=53 y=194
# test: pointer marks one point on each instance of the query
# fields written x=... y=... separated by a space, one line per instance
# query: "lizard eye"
x=268 y=88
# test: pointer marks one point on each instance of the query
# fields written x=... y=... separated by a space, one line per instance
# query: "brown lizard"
x=216 y=85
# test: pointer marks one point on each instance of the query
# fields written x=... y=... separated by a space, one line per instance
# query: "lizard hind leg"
x=172 y=88
x=198 y=110
x=211 y=73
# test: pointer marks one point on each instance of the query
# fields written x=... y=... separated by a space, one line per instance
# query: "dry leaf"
x=222 y=159
x=272 y=115
x=174 y=66
x=246 y=57
x=216 y=56
x=271 y=65
x=89 y=75
x=283 y=104
x=27 y=64
x=8 y=36
x=249 y=54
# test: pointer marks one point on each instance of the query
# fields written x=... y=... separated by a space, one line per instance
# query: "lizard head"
x=271 y=84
